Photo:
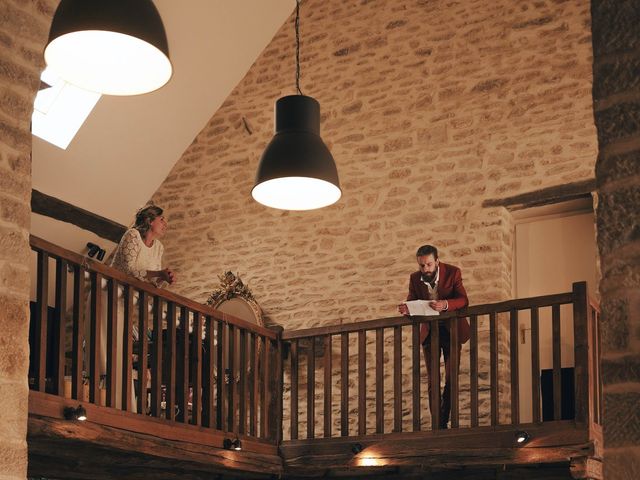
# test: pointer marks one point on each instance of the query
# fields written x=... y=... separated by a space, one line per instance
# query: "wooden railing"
x=496 y=331
x=195 y=365
x=209 y=369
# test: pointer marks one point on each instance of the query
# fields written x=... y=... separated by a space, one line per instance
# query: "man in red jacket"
x=442 y=285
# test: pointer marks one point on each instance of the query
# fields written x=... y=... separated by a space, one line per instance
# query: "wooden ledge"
x=125 y=445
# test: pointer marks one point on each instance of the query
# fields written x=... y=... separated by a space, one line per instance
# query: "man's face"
x=428 y=267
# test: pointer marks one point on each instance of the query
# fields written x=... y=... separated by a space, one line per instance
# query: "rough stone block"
x=614 y=324
x=621 y=419
x=621 y=370
x=615 y=26
x=621 y=121
x=622 y=463
x=618 y=218
x=618 y=76
x=610 y=168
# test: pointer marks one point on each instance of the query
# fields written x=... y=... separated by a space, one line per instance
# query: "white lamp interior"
x=108 y=62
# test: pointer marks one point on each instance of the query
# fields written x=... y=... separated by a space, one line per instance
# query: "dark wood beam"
x=49 y=206
x=545 y=196
x=482 y=447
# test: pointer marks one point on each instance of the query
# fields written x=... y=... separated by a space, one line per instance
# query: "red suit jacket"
x=450 y=288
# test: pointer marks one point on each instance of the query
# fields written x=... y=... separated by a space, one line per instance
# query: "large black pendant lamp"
x=296 y=170
x=114 y=47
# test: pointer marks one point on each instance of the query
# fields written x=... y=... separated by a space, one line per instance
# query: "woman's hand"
x=403 y=309
x=168 y=276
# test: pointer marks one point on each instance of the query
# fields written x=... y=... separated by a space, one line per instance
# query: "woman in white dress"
x=139 y=253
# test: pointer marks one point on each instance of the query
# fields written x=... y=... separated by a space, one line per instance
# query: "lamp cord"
x=297 y=26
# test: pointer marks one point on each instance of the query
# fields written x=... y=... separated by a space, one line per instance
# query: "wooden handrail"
x=388 y=322
x=55 y=251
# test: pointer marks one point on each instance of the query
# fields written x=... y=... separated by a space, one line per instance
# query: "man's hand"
x=403 y=309
x=439 y=305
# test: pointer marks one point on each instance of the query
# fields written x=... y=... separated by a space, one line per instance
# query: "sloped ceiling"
x=128 y=145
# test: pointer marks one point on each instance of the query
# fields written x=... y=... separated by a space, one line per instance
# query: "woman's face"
x=158 y=226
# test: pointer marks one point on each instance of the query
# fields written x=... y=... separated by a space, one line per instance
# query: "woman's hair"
x=144 y=217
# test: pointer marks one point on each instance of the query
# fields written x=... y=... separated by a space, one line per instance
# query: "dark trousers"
x=445 y=348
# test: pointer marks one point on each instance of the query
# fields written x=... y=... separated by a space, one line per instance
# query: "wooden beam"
x=545 y=196
x=480 y=447
x=57 y=209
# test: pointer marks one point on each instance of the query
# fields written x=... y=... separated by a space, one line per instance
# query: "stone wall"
x=616 y=94
x=429 y=108
x=24 y=26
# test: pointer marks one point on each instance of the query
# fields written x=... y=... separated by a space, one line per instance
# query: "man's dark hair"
x=425 y=250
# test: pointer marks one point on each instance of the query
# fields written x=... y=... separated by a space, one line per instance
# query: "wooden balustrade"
x=187 y=362
x=169 y=357
x=493 y=375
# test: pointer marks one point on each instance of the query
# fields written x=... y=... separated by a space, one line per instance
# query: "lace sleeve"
x=129 y=249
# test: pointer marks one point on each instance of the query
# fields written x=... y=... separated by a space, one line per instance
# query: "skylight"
x=60 y=109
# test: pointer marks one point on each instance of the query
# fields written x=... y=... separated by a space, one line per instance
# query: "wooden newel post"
x=581 y=346
x=275 y=383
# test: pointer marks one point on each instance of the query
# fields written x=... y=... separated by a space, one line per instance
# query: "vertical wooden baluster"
x=182 y=367
x=344 y=384
x=279 y=386
x=255 y=385
x=535 y=365
x=266 y=394
x=127 y=349
x=311 y=388
x=434 y=378
x=94 y=348
x=112 y=341
x=598 y=366
x=493 y=352
x=242 y=387
x=231 y=410
x=156 y=358
x=473 y=367
x=454 y=362
x=40 y=344
x=170 y=363
x=415 y=378
x=208 y=385
x=379 y=380
x=143 y=351
x=59 y=330
x=362 y=382
x=196 y=365
x=397 y=379
x=221 y=363
x=515 y=378
x=581 y=355
x=77 y=390
x=557 y=362
x=327 y=386
x=294 y=389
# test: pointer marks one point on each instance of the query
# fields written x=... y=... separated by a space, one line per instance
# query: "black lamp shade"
x=114 y=47
x=296 y=170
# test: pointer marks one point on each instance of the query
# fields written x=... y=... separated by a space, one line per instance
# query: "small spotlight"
x=356 y=448
x=78 y=413
x=234 y=444
x=101 y=254
x=522 y=437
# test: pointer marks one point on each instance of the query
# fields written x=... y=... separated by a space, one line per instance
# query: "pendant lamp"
x=296 y=170
x=113 y=47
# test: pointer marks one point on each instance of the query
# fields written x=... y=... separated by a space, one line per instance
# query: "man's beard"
x=429 y=277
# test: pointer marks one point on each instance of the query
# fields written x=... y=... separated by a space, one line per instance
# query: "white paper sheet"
x=420 y=307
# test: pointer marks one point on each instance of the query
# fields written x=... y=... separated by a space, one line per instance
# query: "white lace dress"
x=134 y=257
